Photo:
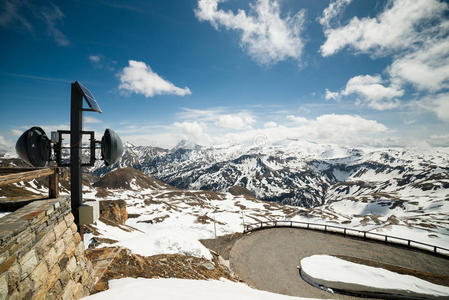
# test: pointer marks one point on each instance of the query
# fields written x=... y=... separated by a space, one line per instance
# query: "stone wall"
x=41 y=253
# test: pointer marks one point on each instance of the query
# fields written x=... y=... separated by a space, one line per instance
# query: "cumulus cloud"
x=415 y=32
x=426 y=68
x=138 y=77
x=220 y=117
x=397 y=27
x=331 y=95
x=235 y=121
x=373 y=92
x=193 y=131
x=339 y=129
x=266 y=36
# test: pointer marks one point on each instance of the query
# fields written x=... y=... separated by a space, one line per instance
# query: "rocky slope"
x=296 y=172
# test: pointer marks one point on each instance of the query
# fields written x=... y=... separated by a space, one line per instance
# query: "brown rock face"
x=114 y=210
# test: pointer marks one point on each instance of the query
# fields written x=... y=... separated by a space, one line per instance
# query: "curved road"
x=267 y=259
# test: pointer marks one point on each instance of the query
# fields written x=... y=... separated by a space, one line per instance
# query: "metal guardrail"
x=348 y=232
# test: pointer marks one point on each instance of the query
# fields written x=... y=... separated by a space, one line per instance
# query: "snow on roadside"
x=334 y=272
x=161 y=289
x=173 y=221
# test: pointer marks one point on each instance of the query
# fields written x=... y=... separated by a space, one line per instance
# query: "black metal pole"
x=76 y=126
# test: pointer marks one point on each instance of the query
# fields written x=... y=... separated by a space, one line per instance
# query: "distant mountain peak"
x=187 y=144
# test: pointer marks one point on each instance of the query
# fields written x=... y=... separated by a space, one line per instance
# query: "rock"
x=79 y=291
x=3 y=287
x=39 y=275
x=60 y=228
x=53 y=276
x=68 y=291
x=27 y=263
x=114 y=210
x=208 y=266
x=71 y=266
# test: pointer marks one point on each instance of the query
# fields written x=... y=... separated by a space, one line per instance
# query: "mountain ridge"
x=296 y=173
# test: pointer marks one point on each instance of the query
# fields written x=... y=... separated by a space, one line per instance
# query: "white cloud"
x=341 y=129
x=397 y=27
x=94 y=58
x=373 y=92
x=416 y=32
x=91 y=120
x=235 y=121
x=440 y=136
x=270 y=124
x=220 y=117
x=52 y=15
x=2 y=140
x=193 y=131
x=297 y=119
x=437 y=104
x=28 y=14
x=16 y=132
x=426 y=68
x=140 y=79
x=332 y=11
x=331 y=95
x=266 y=36
x=330 y=128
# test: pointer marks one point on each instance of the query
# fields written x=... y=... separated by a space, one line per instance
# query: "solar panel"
x=89 y=98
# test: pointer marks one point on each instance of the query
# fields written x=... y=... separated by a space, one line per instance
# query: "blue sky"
x=348 y=72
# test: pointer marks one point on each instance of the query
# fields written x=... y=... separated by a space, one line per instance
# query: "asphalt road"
x=267 y=259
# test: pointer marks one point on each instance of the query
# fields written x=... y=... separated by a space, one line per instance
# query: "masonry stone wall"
x=41 y=253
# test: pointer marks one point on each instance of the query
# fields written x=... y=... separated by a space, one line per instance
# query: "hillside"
x=297 y=172
x=129 y=178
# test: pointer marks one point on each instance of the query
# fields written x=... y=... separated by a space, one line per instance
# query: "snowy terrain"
x=337 y=273
x=402 y=195
x=172 y=221
x=161 y=289
x=168 y=220
x=301 y=173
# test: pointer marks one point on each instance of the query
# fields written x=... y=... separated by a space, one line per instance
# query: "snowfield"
x=173 y=221
x=169 y=289
x=333 y=272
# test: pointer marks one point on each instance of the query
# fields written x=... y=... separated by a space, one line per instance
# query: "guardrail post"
x=435 y=249
x=409 y=243
x=307 y=225
x=344 y=232
x=386 y=237
x=291 y=224
x=364 y=235
x=325 y=227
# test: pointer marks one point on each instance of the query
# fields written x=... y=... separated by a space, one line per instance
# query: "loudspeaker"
x=34 y=147
x=111 y=147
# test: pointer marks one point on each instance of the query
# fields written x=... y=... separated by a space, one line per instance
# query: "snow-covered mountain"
x=300 y=173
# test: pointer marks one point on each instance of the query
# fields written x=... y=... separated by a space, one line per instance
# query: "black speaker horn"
x=111 y=147
x=34 y=147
